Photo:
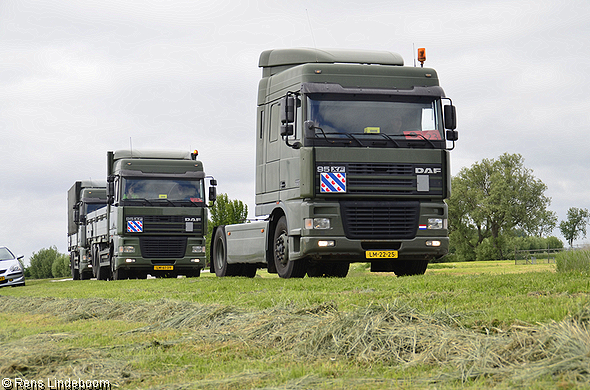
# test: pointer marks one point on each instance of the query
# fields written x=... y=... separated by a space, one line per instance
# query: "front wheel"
x=219 y=255
x=409 y=267
x=285 y=268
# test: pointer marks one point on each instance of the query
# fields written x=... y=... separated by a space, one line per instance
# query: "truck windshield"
x=364 y=118
x=172 y=190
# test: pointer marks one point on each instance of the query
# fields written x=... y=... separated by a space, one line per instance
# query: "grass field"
x=461 y=325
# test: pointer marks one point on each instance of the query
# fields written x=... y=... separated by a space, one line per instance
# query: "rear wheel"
x=285 y=268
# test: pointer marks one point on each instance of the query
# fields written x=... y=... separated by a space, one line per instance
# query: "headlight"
x=198 y=249
x=127 y=249
x=436 y=223
x=16 y=268
x=317 y=223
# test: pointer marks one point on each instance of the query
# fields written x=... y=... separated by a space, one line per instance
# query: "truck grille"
x=386 y=179
x=168 y=224
x=380 y=220
x=162 y=247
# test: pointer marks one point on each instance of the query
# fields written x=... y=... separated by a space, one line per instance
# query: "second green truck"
x=150 y=217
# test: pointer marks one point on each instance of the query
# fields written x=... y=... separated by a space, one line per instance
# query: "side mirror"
x=212 y=194
x=288 y=109
x=76 y=215
x=110 y=189
x=286 y=130
x=450 y=117
x=309 y=129
x=452 y=135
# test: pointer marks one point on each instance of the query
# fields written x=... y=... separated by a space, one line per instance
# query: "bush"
x=42 y=264
x=573 y=261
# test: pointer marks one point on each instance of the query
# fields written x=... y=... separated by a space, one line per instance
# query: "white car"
x=12 y=272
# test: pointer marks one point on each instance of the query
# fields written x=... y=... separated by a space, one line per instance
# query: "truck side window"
x=261 y=123
x=274 y=122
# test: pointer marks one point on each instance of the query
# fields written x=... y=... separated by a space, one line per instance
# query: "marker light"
x=422 y=55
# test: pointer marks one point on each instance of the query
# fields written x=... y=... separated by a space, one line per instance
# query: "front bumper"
x=12 y=279
x=356 y=250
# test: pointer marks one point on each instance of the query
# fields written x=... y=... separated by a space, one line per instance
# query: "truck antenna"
x=414 y=53
x=312 y=37
x=131 y=147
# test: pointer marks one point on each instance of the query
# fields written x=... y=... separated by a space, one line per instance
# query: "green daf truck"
x=84 y=197
x=155 y=218
x=352 y=165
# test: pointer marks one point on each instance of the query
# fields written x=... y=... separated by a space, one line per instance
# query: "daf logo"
x=192 y=219
x=432 y=171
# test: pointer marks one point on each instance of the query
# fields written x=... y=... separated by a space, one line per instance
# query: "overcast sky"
x=78 y=78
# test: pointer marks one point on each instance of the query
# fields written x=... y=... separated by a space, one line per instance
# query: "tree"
x=490 y=200
x=575 y=225
x=61 y=266
x=42 y=263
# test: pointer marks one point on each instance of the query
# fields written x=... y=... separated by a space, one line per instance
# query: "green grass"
x=266 y=332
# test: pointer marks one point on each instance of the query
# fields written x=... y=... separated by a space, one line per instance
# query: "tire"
x=409 y=267
x=104 y=272
x=120 y=274
x=85 y=275
x=249 y=270
x=219 y=256
x=75 y=271
x=285 y=268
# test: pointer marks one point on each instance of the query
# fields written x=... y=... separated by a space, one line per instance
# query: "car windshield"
x=5 y=254
x=418 y=118
x=163 y=189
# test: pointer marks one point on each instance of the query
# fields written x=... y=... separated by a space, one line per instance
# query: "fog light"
x=433 y=243
x=317 y=223
x=435 y=223
x=130 y=260
x=325 y=243
x=195 y=260
x=127 y=249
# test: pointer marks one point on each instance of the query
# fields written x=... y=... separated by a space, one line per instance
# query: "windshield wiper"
x=415 y=134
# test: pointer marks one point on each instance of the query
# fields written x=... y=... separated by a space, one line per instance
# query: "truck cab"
x=352 y=163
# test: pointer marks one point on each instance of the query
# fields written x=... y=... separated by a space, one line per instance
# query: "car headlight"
x=436 y=223
x=198 y=249
x=317 y=223
x=16 y=268
x=127 y=249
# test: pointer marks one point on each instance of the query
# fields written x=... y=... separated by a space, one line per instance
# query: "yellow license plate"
x=2 y=278
x=381 y=254
x=163 y=267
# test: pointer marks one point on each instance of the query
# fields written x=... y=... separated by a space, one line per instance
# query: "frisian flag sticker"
x=333 y=182
x=135 y=226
